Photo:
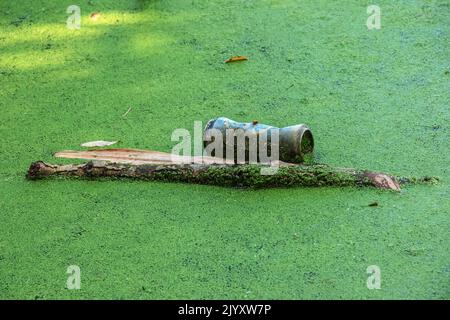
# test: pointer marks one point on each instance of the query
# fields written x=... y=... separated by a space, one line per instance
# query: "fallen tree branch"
x=161 y=166
x=237 y=175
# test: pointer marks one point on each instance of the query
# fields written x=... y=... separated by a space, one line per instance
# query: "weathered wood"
x=136 y=156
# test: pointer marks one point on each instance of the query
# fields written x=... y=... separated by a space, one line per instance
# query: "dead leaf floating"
x=235 y=59
x=99 y=143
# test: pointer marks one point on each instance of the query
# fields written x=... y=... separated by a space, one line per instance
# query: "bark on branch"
x=240 y=175
x=161 y=166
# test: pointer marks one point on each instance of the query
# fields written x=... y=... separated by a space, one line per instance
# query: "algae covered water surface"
x=375 y=99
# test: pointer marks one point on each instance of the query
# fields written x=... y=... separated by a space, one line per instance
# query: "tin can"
x=295 y=143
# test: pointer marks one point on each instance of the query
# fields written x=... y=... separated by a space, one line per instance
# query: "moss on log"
x=243 y=175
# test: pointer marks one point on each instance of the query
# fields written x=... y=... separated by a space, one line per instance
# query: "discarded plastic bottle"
x=296 y=143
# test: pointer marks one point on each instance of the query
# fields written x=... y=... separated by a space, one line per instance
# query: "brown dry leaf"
x=237 y=58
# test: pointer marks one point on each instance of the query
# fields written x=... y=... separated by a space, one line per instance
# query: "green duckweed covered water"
x=374 y=99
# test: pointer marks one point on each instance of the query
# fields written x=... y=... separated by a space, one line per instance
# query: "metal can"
x=295 y=143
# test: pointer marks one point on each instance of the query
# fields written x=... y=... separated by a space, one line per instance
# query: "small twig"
x=126 y=113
